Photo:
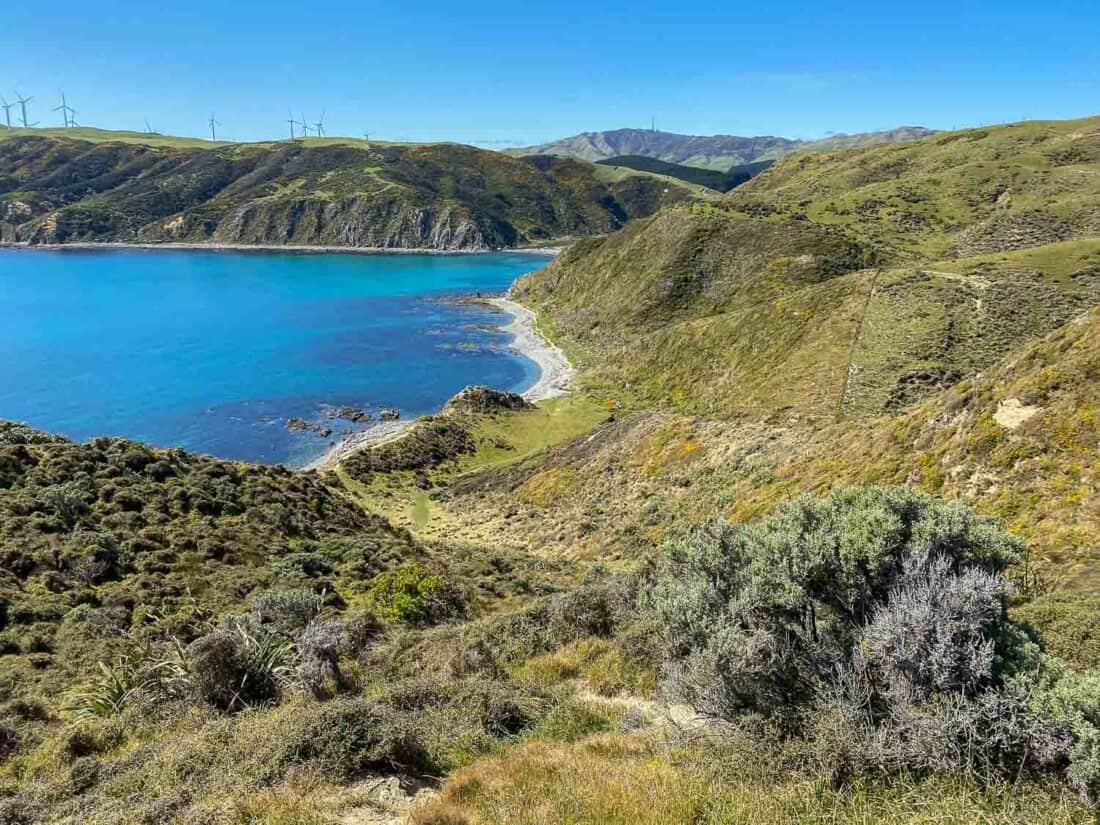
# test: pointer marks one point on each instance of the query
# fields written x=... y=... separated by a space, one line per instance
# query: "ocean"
x=215 y=351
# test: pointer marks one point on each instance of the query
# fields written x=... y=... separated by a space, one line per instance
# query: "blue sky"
x=521 y=72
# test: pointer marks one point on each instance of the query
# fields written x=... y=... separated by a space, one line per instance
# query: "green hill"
x=333 y=192
x=838 y=283
x=711 y=179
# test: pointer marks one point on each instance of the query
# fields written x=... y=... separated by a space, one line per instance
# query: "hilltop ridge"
x=717 y=152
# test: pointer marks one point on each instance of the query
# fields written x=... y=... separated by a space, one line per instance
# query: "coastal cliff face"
x=437 y=196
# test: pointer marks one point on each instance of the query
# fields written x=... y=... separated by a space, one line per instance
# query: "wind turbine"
x=292 y=123
x=319 y=126
x=67 y=112
x=213 y=123
x=7 y=107
x=304 y=125
x=23 y=101
x=148 y=128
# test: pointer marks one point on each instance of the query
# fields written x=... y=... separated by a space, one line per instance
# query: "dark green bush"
x=238 y=666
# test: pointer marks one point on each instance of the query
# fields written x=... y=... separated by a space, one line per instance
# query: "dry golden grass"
x=631 y=780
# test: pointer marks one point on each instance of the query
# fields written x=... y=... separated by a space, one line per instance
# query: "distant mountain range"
x=719 y=152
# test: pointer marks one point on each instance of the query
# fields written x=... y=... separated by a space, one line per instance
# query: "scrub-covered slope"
x=436 y=196
x=839 y=283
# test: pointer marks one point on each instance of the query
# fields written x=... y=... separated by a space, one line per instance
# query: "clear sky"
x=523 y=72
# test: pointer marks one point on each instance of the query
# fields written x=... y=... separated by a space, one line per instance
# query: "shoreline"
x=549 y=251
x=556 y=374
x=555 y=379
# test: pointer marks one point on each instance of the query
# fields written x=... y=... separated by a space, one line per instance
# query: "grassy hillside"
x=955 y=194
x=1017 y=441
x=319 y=191
x=838 y=284
x=711 y=179
x=179 y=635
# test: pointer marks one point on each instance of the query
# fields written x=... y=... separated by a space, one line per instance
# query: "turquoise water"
x=215 y=351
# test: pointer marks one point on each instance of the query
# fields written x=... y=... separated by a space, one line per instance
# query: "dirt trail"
x=388 y=800
x=382 y=800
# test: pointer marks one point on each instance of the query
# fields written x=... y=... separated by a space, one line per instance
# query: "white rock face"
x=1011 y=413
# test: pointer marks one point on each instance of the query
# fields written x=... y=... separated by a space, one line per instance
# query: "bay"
x=214 y=351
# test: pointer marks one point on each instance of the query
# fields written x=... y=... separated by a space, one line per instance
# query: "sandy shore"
x=555 y=372
x=383 y=431
x=555 y=379
x=549 y=251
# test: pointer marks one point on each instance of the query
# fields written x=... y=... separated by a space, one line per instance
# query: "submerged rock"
x=354 y=414
x=301 y=425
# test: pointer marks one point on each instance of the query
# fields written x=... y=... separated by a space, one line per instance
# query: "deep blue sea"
x=214 y=351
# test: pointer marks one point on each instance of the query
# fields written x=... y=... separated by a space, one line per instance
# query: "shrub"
x=874 y=620
x=1073 y=700
x=117 y=687
x=238 y=666
x=757 y=616
x=319 y=647
x=346 y=737
x=412 y=595
x=288 y=610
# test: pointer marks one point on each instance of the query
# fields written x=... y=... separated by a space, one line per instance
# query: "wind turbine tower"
x=67 y=112
x=319 y=126
x=23 y=101
x=292 y=123
x=305 y=126
x=7 y=107
x=213 y=123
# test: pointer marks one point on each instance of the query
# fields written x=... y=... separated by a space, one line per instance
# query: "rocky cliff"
x=436 y=196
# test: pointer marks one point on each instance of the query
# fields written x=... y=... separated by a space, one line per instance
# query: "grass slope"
x=711 y=179
x=1019 y=441
x=838 y=283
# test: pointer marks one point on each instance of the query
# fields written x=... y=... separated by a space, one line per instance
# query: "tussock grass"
x=637 y=780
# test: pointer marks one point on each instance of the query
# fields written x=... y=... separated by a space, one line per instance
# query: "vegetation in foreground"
x=292 y=705
x=851 y=659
